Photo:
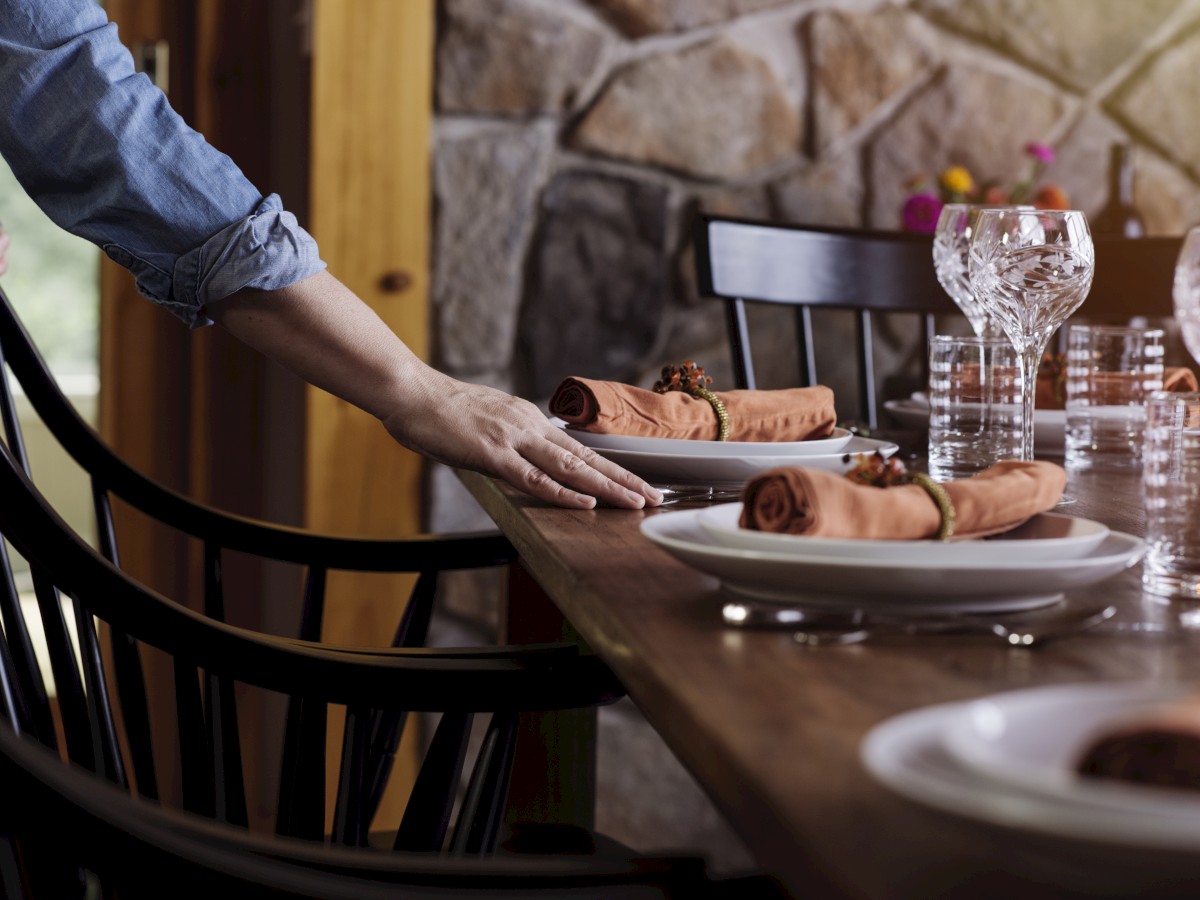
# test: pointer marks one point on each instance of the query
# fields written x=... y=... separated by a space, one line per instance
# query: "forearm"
x=319 y=329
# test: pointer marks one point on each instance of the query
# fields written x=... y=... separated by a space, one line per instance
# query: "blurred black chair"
x=71 y=831
x=869 y=272
x=742 y=261
x=1134 y=277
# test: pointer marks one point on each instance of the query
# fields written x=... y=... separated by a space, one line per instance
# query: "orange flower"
x=995 y=194
x=1051 y=196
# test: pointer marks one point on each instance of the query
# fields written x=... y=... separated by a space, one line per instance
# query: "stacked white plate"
x=1009 y=760
x=1026 y=568
x=724 y=463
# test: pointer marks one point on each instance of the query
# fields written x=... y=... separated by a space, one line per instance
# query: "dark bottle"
x=1119 y=216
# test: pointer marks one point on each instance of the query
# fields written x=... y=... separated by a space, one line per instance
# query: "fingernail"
x=637 y=499
x=652 y=493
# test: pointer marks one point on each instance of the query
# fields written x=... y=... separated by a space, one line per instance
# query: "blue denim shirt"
x=103 y=154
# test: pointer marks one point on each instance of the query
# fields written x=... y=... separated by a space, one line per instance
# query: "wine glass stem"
x=1031 y=359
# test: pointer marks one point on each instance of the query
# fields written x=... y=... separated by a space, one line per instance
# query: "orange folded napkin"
x=608 y=407
x=1160 y=746
x=813 y=502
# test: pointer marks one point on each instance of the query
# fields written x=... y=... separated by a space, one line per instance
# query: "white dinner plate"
x=832 y=444
x=1033 y=739
x=1045 y=536
x=734 y=469
x=895 y=586
x=908 y=754
x=1049 y=425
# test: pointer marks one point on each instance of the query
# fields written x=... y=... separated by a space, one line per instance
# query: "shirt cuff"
x=266 y=250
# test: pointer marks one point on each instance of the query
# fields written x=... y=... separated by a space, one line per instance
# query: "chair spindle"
x=431 y=803
x=482 y=811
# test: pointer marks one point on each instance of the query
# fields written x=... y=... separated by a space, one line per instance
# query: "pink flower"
x=1043 y=153
x=920 y=213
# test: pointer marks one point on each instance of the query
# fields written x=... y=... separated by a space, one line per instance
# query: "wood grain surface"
x=771 y=729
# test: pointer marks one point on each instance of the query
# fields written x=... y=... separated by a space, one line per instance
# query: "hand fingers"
x=606 y=467
x=564 y=467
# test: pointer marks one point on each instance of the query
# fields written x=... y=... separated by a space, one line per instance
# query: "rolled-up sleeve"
x=101 y=151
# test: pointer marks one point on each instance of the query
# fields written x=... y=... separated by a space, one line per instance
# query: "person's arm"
x=199 y=238
x=321 y=330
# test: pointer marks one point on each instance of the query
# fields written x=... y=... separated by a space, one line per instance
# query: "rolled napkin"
x=813 y=502
x=1160 y=747
x=608 y=407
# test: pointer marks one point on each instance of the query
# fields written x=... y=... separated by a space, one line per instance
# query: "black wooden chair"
x=60 y=817
x=84 y=706
x=741 y=261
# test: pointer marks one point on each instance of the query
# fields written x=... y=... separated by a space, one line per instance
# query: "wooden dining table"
x=772 y=729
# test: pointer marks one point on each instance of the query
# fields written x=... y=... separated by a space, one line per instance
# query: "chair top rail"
x=487 y=679
x=806 y=265
x=280 y=542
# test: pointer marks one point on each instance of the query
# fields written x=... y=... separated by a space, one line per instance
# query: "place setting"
x=697 y=444
x=1114 y=765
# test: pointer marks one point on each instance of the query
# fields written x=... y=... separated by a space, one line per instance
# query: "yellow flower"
x=957 y=180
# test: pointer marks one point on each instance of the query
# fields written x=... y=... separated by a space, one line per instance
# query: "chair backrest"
x=740 y=261
x=378 y=688
x=81 y=699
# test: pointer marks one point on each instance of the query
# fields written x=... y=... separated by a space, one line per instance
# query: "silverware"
x=691 y=493
x=824 y=628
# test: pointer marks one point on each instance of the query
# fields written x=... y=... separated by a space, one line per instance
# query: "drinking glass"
x=951 y=241
x=1031 y=268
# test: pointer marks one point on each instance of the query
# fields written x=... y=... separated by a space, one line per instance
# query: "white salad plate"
x=1033 y=739
x=733 y=468
x=911 y=754
x=1049 y=425
x=832 y=444
x=1045 y=536
x=930 y=584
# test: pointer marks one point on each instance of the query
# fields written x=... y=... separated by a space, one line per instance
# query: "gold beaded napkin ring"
x=690 y=379
x=877 y=471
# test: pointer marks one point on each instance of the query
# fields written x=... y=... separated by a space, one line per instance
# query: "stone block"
x=638 y=18
x=485 y=184
x=513 y=57
x=859 y=61
x=830 y=192
x=1077 y=44
x=597 y=279
x=1160 y=100
x=713 y=110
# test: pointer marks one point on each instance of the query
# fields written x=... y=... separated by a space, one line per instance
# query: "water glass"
x=974 y=405
x=1110 y=373
x=1171 y=492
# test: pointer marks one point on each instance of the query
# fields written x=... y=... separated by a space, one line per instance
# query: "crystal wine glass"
x=1031 y=268
x=951 y=240
x=1187 y=292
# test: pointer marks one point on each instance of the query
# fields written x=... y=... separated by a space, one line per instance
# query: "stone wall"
x=575 y=139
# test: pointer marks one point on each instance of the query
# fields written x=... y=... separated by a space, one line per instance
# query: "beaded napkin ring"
x=690 y=378
x=877 y=471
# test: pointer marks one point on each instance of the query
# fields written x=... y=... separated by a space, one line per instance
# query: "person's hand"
x=3 y=250
x=480 y=428
x=321 y=331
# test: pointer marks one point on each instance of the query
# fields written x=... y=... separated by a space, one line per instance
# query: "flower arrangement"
x=956 y=184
